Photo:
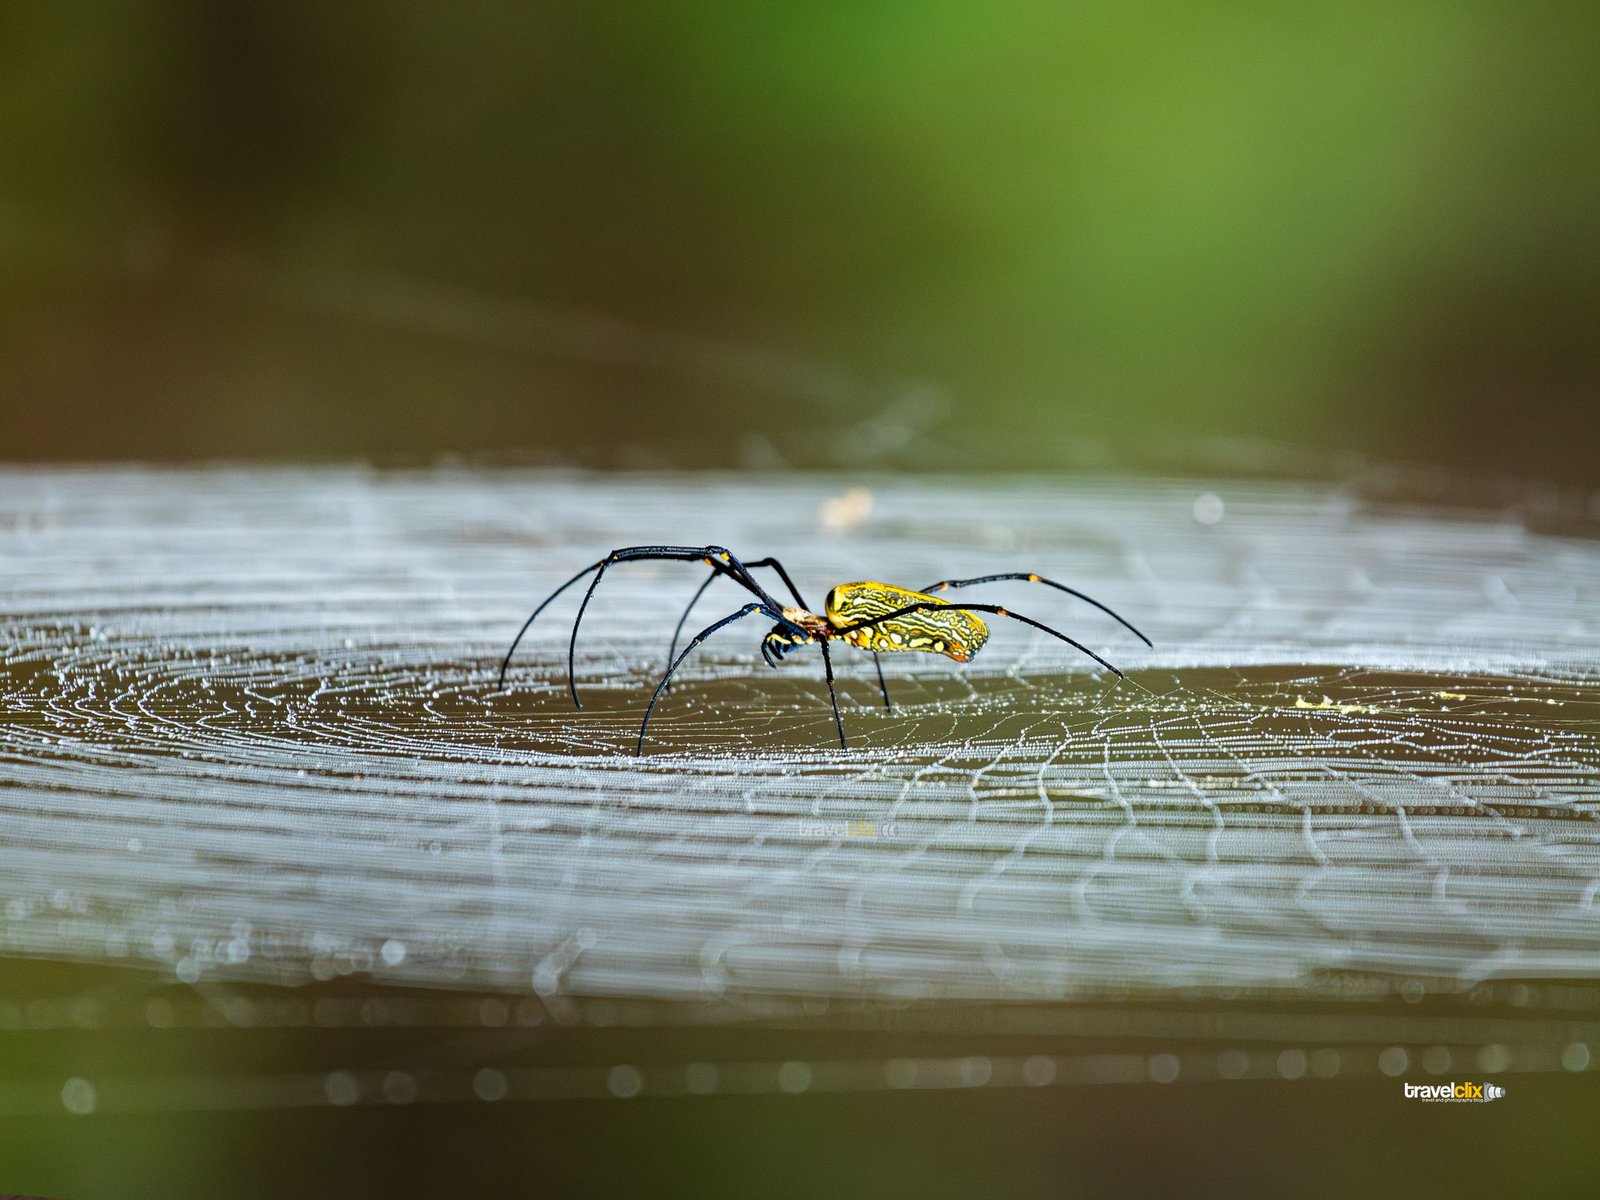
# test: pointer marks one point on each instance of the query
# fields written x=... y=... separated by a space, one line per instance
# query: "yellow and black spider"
x=874 y=616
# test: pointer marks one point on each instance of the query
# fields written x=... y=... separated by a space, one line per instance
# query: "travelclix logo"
x=1459 y=1092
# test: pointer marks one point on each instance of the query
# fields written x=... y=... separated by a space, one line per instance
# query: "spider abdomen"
x=953 y=632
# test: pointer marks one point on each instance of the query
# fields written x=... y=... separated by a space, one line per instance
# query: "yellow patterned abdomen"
x=941 y=630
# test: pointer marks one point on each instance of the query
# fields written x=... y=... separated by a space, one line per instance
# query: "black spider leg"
x=789 y=583
x=1029 y=577
x=505 y=663
x=689 y=649
x=936 y=605
x=794 y=591
x=884 y=687
x=876 y=661
x=712 y=578
x=826 y=662
x=827 y=666
x=717 y=557
x=672 y=648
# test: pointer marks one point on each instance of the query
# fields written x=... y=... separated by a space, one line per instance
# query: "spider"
x=879 y=617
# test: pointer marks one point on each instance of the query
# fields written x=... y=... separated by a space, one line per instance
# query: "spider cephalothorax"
x=880 y=617
x=796 y=628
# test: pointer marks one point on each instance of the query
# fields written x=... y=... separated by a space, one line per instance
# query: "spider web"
x=252 y=734
x=1365 y=740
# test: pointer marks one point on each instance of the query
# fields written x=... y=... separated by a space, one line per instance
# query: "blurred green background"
x=903 y=236
x=760 y=234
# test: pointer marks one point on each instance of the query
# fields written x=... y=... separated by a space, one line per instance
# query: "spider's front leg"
x=773 y=612
x=718 y=558
x=774 y=564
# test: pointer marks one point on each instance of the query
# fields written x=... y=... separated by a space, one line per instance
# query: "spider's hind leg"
x=1030 y=577
x=997 y=610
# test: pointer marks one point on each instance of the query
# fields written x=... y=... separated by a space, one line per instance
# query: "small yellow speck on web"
x=1327 y=704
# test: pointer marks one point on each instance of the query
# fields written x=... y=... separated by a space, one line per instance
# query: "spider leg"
x=1029 y=577
x=506 y=662
x=798 y=599
x=749 y=581
x=716 y=557
x=983 y=608
x=884 y=687
x=782 y=574
x=689 y=649
x=672 y=648
x=827 y=667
